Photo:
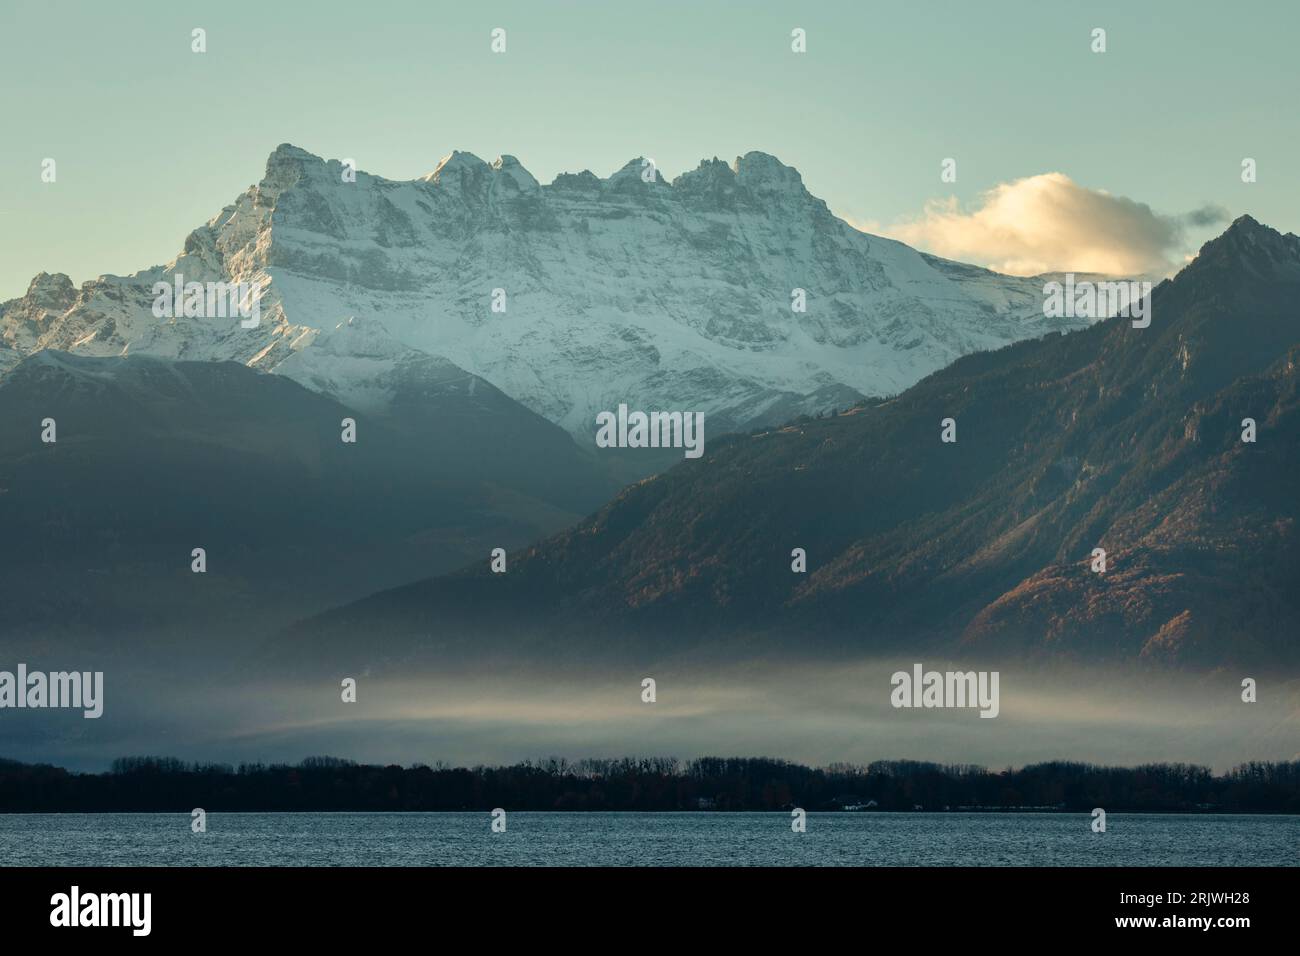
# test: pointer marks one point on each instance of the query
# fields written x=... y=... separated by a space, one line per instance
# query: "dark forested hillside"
x=153 y=458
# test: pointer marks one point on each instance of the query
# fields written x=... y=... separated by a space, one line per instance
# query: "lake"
x=647 y=839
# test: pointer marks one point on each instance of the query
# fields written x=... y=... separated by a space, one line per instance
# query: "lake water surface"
x=647 y=839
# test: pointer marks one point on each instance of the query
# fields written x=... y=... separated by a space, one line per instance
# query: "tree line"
x=165 y=784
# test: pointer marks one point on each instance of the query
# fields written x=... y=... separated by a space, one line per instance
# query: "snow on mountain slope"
x=664 y=296
x=361 y=365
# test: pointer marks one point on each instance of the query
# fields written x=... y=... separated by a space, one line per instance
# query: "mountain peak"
x=286 y=166
x=514 y=172
x=709 y=171
x=1251 y=249
x=51 y=290
x=287 y=151
x=457 y=167
x=712 y=183
x=583 y=180
x=1246 y=228
x=631 y=175
x=763 y=172
x=286 y=156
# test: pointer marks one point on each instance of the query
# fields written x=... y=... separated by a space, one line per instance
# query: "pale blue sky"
x=151 y=140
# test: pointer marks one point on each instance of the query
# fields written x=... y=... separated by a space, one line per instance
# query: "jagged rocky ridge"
x=665 y=296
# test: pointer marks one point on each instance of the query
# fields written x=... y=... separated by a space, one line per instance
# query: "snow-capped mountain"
x=626 y=289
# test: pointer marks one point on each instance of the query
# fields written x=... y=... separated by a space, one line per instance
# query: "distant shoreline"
x=1008 y=811
x=655 y=784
